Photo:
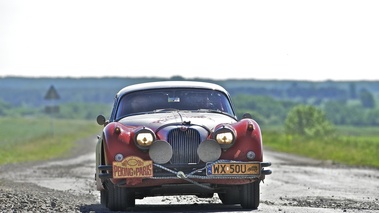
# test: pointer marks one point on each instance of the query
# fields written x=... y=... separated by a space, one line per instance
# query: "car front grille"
x=184 y=145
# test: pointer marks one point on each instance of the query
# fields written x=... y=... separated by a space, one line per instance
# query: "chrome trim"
x=184 y=145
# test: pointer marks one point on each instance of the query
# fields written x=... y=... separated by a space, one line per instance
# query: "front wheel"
x=103 y=197
x=117 y=198
x=230 y=196
x=249 y=195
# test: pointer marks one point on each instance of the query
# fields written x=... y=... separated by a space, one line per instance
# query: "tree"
x=352 y=91
x=308 y=121
x=372 y=117
x=367 y=99
x=3 y=107
x=266 y=110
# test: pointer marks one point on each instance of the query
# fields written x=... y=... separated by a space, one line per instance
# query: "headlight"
x=225 y=136
x=144 y=138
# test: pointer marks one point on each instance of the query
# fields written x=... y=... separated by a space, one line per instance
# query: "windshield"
x=172 y=99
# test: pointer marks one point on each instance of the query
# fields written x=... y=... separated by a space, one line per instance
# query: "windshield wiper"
x=166 y=110
x=210 y=110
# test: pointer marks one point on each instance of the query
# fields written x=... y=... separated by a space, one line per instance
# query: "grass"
x=32 y=139
x=351 y=146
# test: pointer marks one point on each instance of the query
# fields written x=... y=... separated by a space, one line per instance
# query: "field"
x=350 y=146
x=32 y=139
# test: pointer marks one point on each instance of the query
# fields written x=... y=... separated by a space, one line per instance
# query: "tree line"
x=270 y=111
x=344 y=103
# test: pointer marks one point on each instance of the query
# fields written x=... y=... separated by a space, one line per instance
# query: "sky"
x=283 y=40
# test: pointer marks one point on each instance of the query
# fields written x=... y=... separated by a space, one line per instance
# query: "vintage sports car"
x=178 y=138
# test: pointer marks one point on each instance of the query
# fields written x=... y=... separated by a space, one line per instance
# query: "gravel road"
x=297 y=185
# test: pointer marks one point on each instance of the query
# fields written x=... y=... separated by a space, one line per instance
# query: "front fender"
x=248 y=138
x=117 y=139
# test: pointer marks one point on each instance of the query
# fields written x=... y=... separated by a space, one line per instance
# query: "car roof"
x=171 y=84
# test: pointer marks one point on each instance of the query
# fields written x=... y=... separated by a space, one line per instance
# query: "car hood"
x=157 y=120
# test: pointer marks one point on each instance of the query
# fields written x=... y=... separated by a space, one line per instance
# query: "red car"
x=178 y=138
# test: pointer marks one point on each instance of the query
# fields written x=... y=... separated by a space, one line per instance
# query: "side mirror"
x=101 y=120
x=247 y=115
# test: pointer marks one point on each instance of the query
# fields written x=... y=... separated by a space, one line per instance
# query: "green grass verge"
x=351 y=146
x=32 y=139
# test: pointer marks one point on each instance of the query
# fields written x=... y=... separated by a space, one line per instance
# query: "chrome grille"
x=184 y=146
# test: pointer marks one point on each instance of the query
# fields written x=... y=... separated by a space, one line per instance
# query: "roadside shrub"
x=306 y=120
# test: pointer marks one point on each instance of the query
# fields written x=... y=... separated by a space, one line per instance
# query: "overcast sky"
x=302 y=40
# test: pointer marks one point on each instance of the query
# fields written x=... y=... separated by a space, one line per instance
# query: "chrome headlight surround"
x=144 y=137
x=225 y=136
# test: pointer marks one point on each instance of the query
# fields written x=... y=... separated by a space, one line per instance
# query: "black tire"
x=103 y=197
x=249 y=195
x=230 y=196
x=118 y=198
x=205 y=195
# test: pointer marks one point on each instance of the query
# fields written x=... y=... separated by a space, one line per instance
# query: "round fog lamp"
x=209 y=151
x=118 y=157
x=160 y=152
x=250 y=155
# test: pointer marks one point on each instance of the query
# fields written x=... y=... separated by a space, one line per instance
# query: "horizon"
x=184 y=78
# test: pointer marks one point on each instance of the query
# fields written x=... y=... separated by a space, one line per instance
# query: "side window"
x=114 y=109
x=121 y=108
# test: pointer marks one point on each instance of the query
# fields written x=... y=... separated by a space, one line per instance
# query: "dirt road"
x=296 y=185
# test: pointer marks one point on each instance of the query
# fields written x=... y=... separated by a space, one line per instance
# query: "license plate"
x=233 y=169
